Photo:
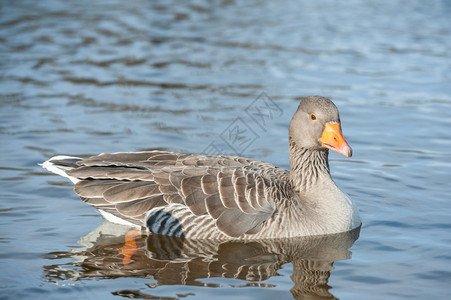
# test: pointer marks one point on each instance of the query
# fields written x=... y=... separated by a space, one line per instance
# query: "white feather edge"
x=59 y=170
x=113 y=219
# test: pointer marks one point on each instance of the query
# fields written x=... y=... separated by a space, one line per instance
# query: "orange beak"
x=333 y=139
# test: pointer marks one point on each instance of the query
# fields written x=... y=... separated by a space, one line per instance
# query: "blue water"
x=86 y=77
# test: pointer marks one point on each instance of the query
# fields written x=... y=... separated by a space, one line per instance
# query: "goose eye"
x=312 y=117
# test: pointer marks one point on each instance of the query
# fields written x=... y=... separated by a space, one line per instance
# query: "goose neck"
x=307 y=166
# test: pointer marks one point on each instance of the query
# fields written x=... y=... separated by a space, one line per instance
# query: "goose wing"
x=236 y=192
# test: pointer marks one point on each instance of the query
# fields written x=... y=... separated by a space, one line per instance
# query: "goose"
x=196 y=196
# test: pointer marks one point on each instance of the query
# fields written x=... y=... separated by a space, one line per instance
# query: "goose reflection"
x=174 y=261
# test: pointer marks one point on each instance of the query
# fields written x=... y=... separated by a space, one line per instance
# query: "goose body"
x=223 y=197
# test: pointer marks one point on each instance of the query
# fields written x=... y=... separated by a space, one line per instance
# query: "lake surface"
x=86 y=77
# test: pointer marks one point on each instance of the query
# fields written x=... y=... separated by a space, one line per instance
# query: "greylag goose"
x=224 y=197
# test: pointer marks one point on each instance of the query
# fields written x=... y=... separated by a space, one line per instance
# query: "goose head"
x=316 y=126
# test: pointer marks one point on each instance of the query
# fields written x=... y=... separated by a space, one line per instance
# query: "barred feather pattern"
x=195 y=196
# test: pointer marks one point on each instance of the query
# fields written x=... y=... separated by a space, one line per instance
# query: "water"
x=83 y=78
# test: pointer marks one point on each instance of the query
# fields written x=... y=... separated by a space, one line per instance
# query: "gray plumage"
x=200 y=196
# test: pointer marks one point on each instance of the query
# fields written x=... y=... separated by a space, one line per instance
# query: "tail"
x=60 y=165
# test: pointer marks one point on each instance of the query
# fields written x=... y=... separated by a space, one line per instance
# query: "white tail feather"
x=60 y=170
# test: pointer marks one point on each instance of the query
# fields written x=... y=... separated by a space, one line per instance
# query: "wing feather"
x=240 y=185
x=175 y=178
x=173 y=198
x=214 y=205
x=227 y=192
x=235 y=192
x=140 y=206
x=130 y=191
x=93 y=188
x=209 y=184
